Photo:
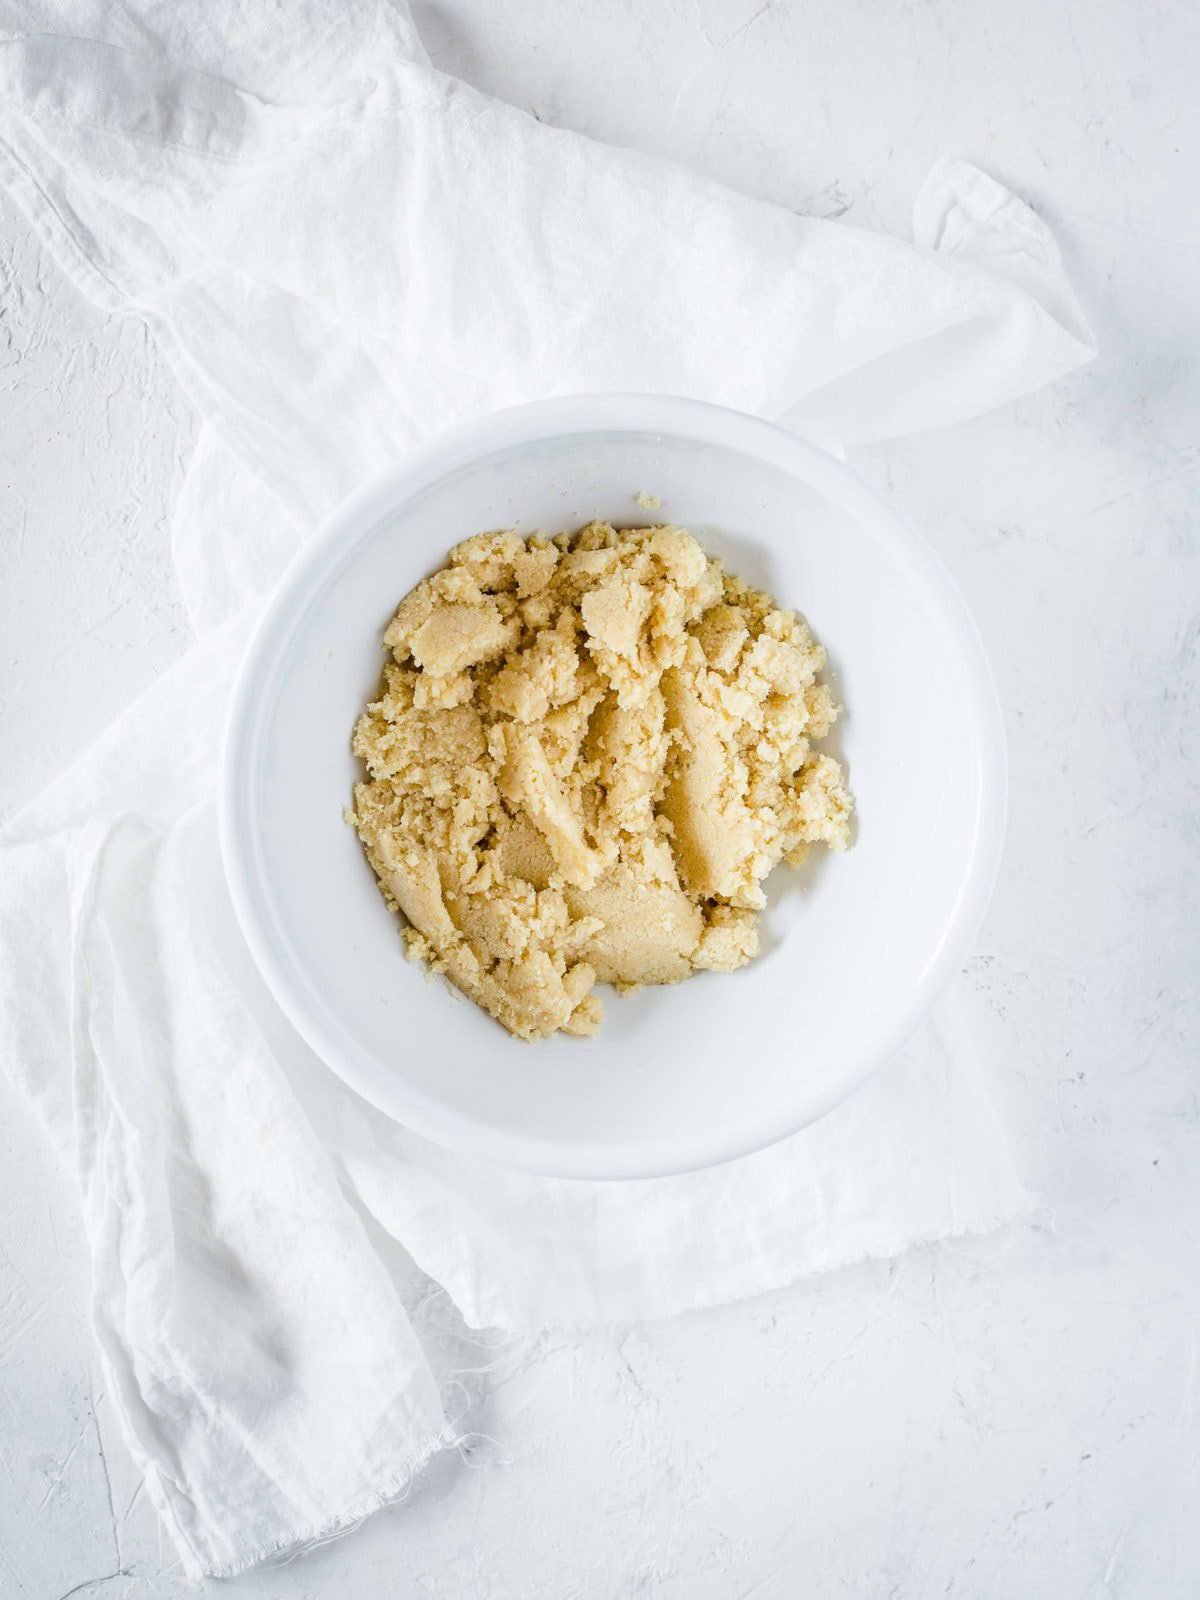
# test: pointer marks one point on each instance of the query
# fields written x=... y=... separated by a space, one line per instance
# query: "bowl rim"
x=320 y=561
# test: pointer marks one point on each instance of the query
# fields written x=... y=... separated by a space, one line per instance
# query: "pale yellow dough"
x=586 y=755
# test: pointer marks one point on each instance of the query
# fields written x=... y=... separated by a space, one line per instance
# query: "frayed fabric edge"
x=289 y=1546
x=428 y=1317
x=1022 y=1212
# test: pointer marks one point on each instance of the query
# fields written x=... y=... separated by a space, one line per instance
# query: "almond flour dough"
x=586 y=755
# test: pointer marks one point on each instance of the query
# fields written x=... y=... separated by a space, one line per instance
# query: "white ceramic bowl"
x=856 y=947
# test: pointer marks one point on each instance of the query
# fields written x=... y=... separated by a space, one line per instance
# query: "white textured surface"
x=1009 y=1417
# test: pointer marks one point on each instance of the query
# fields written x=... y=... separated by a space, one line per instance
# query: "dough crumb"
x=586 y=755
x=648 y=502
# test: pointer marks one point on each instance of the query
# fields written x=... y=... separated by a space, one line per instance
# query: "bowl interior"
x=853 y=944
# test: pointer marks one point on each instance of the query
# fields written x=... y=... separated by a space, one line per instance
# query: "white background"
x=1009 y=1417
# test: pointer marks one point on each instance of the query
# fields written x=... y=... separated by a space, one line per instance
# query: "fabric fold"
x=243 y=1315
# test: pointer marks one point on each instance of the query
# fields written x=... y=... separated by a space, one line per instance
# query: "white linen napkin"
x=342 y=251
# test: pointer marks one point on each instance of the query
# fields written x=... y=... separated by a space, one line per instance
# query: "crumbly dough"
x=586 y=755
